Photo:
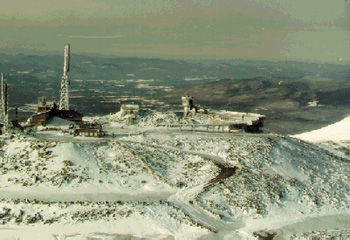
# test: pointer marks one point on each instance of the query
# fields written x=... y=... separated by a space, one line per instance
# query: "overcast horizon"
x=312 y=31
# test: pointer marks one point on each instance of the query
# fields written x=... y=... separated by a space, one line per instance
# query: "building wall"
x=42 y=119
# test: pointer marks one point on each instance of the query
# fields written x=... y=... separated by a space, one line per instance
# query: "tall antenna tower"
x=64 y=97
x=4 y=117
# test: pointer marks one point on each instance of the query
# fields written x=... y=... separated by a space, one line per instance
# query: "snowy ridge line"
x=222 y=135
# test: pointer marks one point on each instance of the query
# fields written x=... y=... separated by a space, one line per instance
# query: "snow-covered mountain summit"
x=171 y=184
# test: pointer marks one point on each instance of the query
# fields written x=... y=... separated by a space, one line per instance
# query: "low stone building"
x=43 y=118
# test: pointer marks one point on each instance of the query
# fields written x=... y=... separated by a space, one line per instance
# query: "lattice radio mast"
x=64 y=97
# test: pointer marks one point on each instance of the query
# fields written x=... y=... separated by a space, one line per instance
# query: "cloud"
x=95 y=37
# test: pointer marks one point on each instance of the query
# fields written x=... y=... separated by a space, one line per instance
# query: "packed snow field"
x=171 y=184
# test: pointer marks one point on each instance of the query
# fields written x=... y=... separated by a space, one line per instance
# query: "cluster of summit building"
x=225 y=121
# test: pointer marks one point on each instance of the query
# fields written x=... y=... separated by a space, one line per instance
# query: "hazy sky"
x=309 y=30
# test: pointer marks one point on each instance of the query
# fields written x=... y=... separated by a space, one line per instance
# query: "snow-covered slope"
x=339 y=131
x=166 y=185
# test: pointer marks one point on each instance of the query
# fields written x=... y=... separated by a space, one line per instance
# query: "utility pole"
x=4 y=117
